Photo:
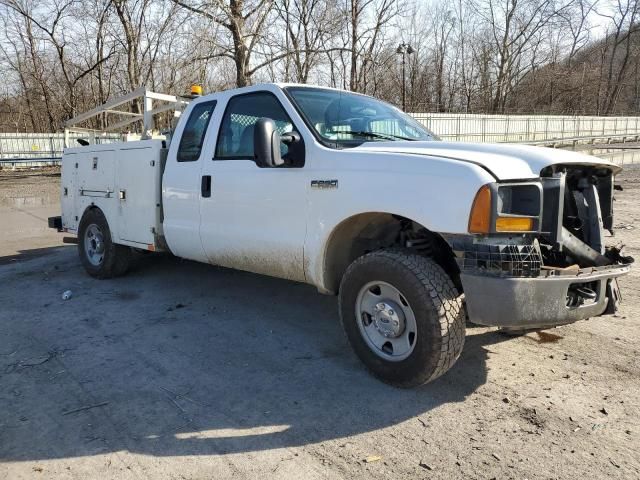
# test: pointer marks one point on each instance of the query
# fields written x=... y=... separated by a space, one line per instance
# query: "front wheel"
x=403 y=316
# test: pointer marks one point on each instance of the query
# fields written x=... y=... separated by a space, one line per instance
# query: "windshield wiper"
x=384 y=136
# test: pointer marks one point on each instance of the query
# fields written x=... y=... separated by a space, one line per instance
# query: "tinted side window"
x=194 y=132
x=235 y=140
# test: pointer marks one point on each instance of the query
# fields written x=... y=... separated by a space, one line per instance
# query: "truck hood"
x=504 y=161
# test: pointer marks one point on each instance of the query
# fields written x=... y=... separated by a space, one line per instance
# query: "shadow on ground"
x=29 y=254
x=179 y=358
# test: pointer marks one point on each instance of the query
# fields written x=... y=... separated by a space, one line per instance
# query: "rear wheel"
x=403 y=316
x=100 y=257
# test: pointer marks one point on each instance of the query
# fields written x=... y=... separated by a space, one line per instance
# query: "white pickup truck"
x=347 y=193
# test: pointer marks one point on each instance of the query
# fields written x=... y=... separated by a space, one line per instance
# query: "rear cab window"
x=194 y=132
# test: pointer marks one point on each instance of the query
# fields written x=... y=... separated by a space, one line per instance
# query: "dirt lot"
x=181 y=370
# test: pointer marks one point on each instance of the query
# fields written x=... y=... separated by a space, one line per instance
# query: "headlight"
x=519 y=200
x=506 y=208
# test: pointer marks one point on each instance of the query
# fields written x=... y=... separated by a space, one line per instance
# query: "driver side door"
x=254 y=218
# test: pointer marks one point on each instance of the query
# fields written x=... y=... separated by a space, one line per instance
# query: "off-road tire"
x=116 y=257
x=437 y=307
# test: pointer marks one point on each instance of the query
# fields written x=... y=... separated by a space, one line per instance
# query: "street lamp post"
x=404 y=49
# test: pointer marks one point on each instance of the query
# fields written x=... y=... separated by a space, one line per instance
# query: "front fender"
x=437 y=195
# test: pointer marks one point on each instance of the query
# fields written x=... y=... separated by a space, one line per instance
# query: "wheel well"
x=367 y=232
x=88 y=209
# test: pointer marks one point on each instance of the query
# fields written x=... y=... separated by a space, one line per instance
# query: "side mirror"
x=266 y=143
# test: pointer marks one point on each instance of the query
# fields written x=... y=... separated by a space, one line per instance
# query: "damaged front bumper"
x=507 y=284
x=556 y=297
x=557 y=273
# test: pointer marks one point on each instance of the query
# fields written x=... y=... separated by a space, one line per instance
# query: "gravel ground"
x=182 y=370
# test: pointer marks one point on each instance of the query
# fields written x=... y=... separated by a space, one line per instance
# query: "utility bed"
x=124 y=180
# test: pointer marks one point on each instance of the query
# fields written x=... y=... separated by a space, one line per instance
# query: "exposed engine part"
x=614 y=296
x=577 y=208
x=553 y=206
x=580 y=294
x=581 y=251
x=582 y=198
x=615 y=255
x=588 y=205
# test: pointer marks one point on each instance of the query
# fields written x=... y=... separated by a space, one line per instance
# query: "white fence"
x=38 y=148
x=43 y=148
x=524 y=128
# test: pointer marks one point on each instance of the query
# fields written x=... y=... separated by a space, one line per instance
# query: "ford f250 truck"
x=347 y=193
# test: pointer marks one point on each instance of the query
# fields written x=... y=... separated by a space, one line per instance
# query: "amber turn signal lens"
x=514 y=224
x=480 y=216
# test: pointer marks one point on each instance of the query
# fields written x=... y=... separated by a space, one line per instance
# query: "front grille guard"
x=500 y=260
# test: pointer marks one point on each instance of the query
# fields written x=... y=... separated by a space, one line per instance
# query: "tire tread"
x=117 y=257
x=437 y=289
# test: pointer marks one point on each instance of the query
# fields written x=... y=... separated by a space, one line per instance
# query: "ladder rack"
x=151 y=103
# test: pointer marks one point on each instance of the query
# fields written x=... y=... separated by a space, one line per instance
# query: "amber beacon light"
x=196 y=90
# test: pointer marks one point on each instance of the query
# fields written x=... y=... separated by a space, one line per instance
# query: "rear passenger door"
x=181 y=181
x=254 y=218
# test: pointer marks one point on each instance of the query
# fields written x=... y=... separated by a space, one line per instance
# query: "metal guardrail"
x=39 y=160
x=619 y=157
x=524 y=128
x=559 y=142
x=37 y=149
x=29 y=162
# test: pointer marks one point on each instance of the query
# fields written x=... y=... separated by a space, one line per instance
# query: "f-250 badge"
x=324 y=184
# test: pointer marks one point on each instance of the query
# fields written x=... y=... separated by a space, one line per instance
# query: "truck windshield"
x=349 y=119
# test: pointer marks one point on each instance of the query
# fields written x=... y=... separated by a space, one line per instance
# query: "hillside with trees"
x=601 y=79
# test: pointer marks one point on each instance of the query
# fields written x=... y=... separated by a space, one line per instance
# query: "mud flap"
x=55 y=222
x=614 y=297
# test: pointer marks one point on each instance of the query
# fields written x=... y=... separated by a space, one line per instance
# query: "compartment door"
x=69 y=192
x=137 y=194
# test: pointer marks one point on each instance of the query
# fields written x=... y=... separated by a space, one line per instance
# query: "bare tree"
x=51 y=23
x=443 y=24
x=245 y=23
x=63 y=56
x=21 y=42
x=625 y=25
x=576 y=20
x=309 y=25
x=367 y=21
x=513 y=26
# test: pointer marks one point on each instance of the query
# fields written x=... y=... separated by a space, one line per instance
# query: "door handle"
x=205 y=186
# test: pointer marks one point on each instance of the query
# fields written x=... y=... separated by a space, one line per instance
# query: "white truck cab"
x=348 y=193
